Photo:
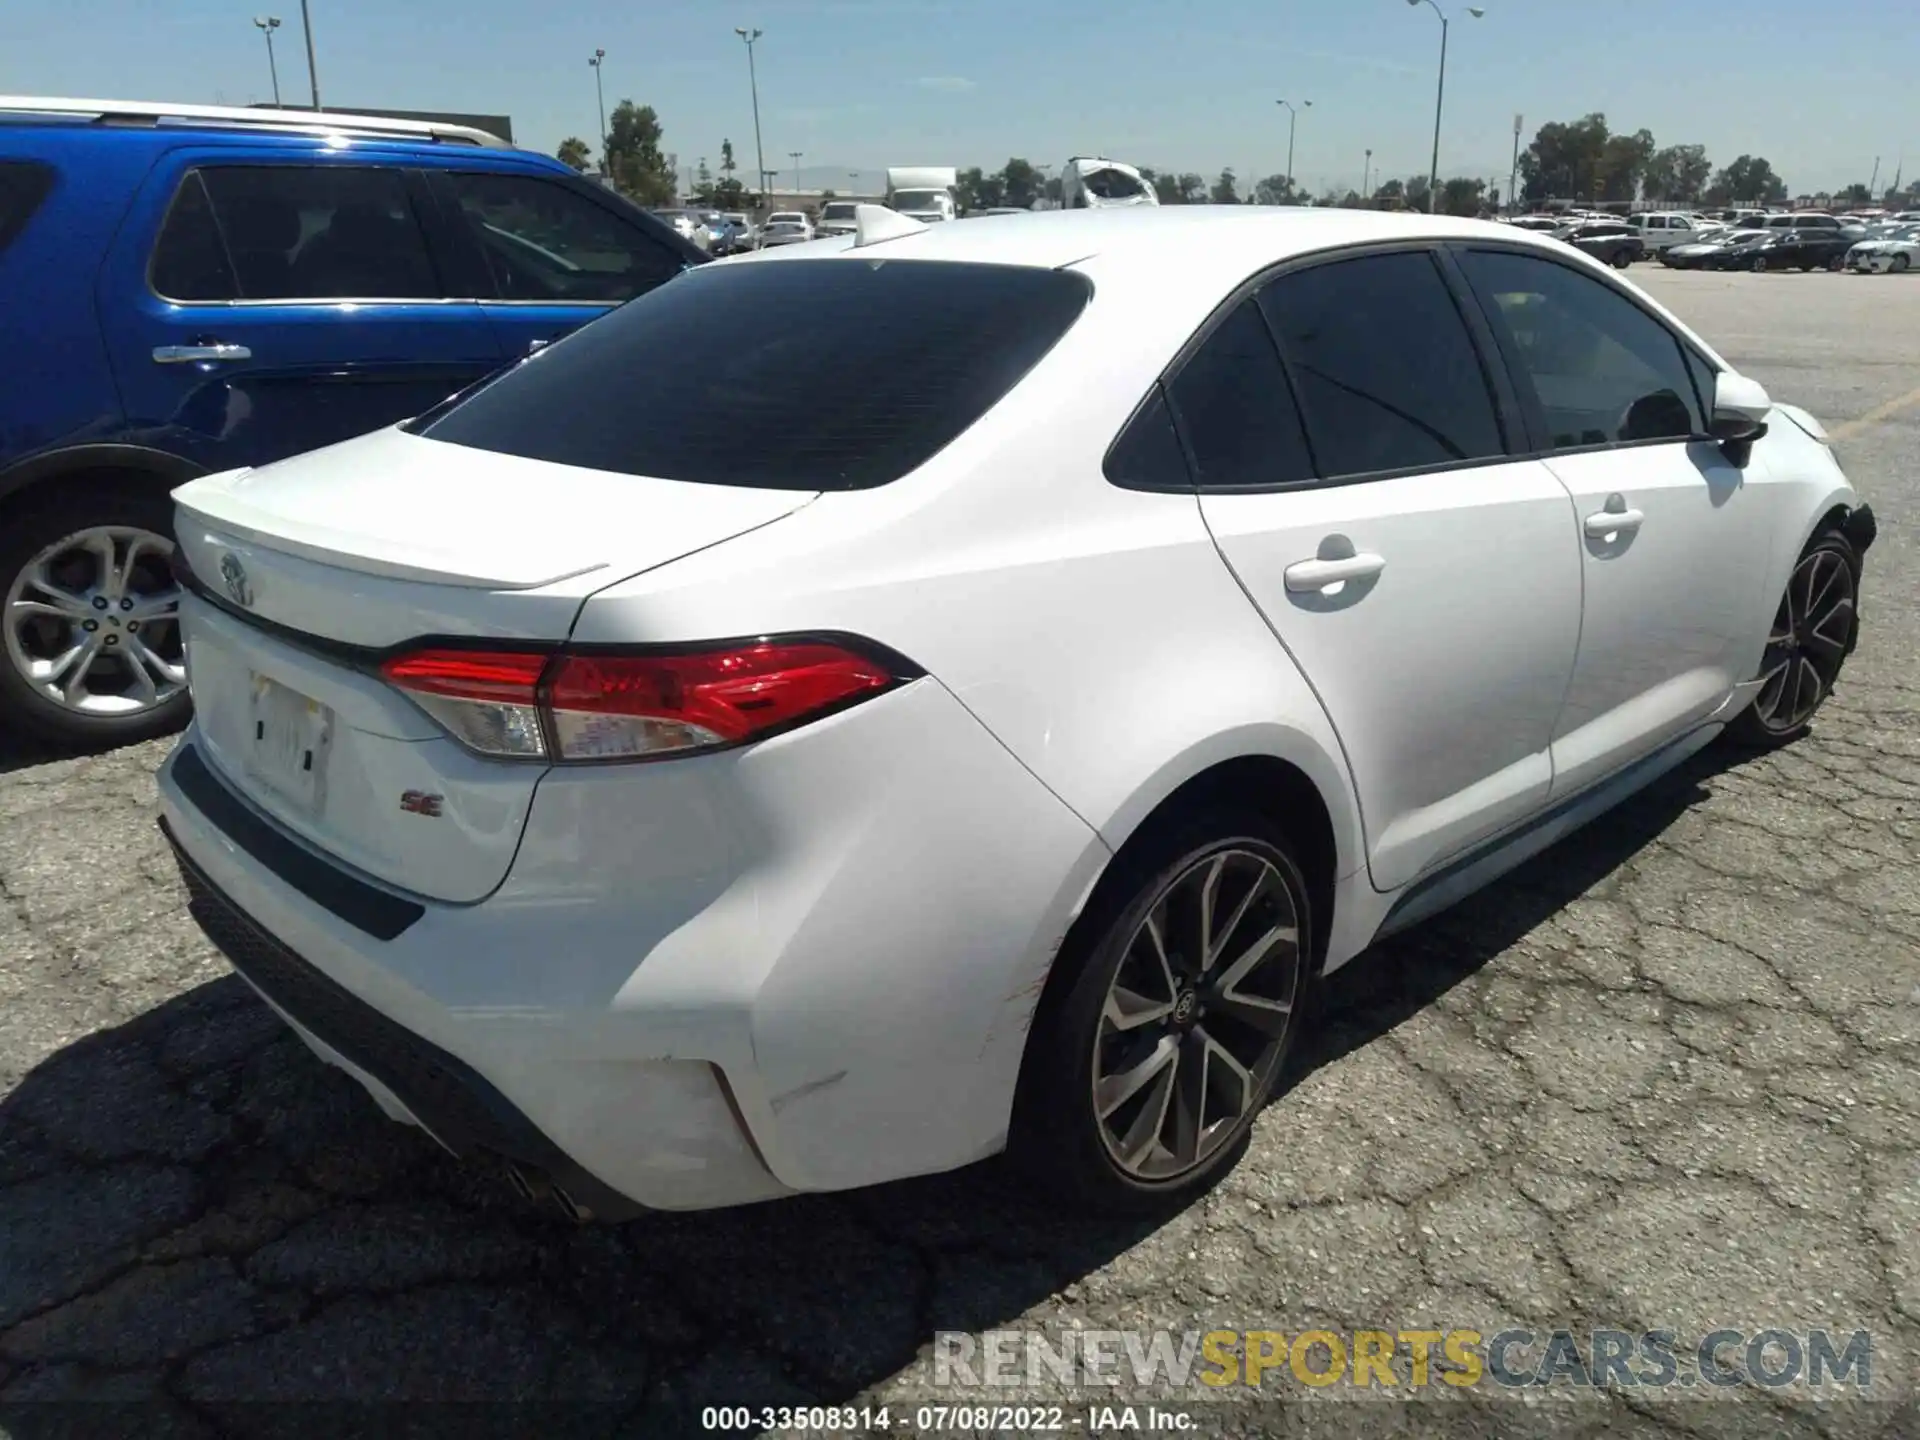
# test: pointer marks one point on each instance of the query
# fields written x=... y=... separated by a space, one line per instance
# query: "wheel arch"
x=138 y=464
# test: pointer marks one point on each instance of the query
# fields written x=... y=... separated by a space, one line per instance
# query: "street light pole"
x=597 y=60
x=313 y=67
x=753 y=80
x=1366 y=175
x=1439 y=101
x=1513 y=176
x=1293 y=120
x=795 y=155
x=268 y=24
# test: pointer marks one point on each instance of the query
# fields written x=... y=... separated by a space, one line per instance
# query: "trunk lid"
x=318 y=564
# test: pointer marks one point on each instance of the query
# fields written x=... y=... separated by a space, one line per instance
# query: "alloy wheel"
x=93 y=622
x=1808 y=642
x=1196 y=1015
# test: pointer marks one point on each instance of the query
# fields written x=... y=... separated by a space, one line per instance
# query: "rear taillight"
x=607 y=705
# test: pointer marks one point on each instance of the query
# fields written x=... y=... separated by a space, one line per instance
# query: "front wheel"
x=1151 y=1057
x=1622 y=259
x=1898 y=264
x=1813 y=632
x=1837 y=264
x=93 y=655
x=1759 y=264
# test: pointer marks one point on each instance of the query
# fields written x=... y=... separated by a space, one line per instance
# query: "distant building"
x=501 y=125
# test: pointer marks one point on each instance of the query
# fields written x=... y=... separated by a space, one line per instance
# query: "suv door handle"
x=1309 y=575
x=1603 y=523
x=188 y=354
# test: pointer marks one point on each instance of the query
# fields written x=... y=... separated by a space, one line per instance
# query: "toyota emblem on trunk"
x=234 y=575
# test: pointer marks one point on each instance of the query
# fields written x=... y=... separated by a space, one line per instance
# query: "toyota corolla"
x=697 y=784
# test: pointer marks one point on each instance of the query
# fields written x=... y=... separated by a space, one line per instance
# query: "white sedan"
x=703 y=783
x=1891 y=252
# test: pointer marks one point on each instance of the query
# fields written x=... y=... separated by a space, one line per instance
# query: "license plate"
x=290 y=737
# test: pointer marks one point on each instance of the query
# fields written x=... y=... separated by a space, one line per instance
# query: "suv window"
x=294 y=232
x=1236 y=410
x=1387 y=373
x=23 y=185
x=1604 y=371
x=761 y=410
x=542 y=241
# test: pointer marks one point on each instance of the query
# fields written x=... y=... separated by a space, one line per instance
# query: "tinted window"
x=544 y=241
x=919 y=351
x=1235 y=409
x=23 y=185
x=1386 y=372
x=1703 y=375
x=321 y=232
x=1604 y=371
x=189 y=259
x=1147 y=456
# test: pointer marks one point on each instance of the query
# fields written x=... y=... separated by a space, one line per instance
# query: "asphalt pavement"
x=1667 y=1076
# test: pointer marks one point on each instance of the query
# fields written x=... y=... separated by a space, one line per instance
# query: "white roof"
x=313 y=122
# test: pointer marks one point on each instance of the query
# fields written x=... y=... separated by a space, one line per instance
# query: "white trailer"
x=924 y=192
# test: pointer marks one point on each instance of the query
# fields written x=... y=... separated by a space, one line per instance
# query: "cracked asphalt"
x=1667 y=1076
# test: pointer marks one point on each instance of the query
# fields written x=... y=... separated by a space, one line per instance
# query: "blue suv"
x=189 y=289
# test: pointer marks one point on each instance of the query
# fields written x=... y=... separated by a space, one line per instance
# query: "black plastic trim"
x=376 y=912
x=1860 y=528
x=457 y=1104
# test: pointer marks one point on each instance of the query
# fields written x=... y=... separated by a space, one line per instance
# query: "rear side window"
x=1147 y=456
x=23 y=185
x=1237 y=411
x=1387 y=373
x=294 y=232
x=837 y=374
x=542 y=241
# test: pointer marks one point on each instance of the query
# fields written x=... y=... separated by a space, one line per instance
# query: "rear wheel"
x=1813 y=632
x=91 y=626
x=1622 y=259
x=1759 y=264
x=1837 y=264
x=1898 y=264
x=1151 y=1058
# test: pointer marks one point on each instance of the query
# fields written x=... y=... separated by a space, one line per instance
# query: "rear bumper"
x=807 y=965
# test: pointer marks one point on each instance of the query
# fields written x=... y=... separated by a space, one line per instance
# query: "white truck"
x=923 y=192
x=1088 y=182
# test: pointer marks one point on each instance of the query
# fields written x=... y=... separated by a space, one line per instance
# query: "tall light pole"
x=794 y=155
x=1293 y=120
x=597 y=60
x=753 y=80
x=1513 y=175
x=1439 y=100
x=268 y=24
x=1366 y=174
x=313 y=67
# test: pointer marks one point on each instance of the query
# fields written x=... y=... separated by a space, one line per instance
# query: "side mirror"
x=1740 y=409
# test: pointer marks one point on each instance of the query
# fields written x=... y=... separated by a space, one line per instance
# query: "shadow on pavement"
x=198 y=1218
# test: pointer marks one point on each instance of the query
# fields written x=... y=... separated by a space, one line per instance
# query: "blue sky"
x=861 y=84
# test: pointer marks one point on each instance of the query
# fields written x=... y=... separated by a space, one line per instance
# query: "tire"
x=1837 y=264
x=125 y=603
x=1622 y=259
x=1898 y=265
x=1131 y=1160
x=1759 y=265
x=1808 y=641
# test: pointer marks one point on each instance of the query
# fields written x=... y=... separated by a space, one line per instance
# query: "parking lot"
x=1667 y=1076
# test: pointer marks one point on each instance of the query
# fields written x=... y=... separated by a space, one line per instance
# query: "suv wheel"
x=93 y=655
x=1622 y=258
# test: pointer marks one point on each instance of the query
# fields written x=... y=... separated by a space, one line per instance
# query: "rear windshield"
x=23 y=185
x=844 y=374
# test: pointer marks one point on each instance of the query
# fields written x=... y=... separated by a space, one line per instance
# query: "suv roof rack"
x=311 y=122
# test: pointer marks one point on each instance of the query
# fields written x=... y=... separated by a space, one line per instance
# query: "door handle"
x=1607 y=522
x=189 y=354
x=1309 y=575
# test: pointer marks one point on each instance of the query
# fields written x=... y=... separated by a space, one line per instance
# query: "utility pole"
x=596 y=60
x=313 y=66
x=794 y=155
x=268 y=24
x=753 y=80
x=1366 y=174
x=1513 y=176
x=1293 y=120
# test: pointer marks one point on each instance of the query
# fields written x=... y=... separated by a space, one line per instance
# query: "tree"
x=1622 y=161
x=1678 y=174
x=1390 y=196
x=1417 y=188
x=978 y=191
x=1566 y=160
x=1461 y=195
x=727 y=165
x=574 y=154
x=1193 y=190
x=639 y=169
x=1019 y=184
x=1225 y=190
x=1274 y=190
x=1747 y=181
x=1166 y=187
x=1353 y=201
x=703 y=182
x=1855 y=195
x=1053 y=190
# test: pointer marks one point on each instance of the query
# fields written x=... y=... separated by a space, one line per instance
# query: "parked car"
x=1038 y=797
x=688 y=225
x=783 y=232
x=837 y=217
x=798 y=218
x=1661 y=229
x=1537 y=222
x=746 y=235
x=1819 y=249
x=1702 y=252
x=1612 y=241
x=206 y=288
x=1896 y=252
